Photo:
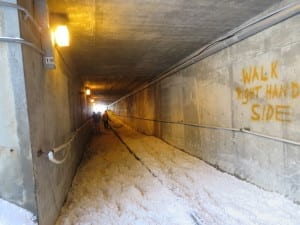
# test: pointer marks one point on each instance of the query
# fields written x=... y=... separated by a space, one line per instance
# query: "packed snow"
x=141 y=180
x=11 y=214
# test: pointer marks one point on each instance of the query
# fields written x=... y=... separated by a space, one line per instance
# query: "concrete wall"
x=56 y=108
x=217 y=91
x=40 y=109
x=16 y=169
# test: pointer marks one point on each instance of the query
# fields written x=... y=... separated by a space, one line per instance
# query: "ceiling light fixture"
x=88 y=91
x=61 y=36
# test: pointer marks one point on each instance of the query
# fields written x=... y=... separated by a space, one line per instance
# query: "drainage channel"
x=194 y=216
x=136 y=156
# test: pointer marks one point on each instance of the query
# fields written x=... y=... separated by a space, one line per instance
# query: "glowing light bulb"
x=61 y=36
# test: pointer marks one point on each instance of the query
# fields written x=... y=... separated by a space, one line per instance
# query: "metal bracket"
x=49 y=62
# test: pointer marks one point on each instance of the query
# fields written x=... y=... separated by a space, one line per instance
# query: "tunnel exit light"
x=61 y=36
x=99 y=108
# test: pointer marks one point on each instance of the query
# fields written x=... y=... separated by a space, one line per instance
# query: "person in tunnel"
x=96 y=121
x=105 y=119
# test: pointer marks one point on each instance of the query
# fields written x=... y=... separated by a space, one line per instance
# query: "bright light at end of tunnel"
x=99 y=108
x=61 y=36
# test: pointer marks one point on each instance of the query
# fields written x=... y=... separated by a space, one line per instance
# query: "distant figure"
x=96 y=120
x=105 y=119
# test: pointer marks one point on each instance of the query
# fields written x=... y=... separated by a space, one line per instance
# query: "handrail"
x=242 y=130
x=186 y=124
x=22 y=41
x=52 y=158
x=248 y=131
x=61 y=147
x=25 y=11
x=51 y=153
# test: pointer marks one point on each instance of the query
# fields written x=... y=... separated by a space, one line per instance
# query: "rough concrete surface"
x=54 y=114
x=42 y=110
x=252 y=84
x=16 y=169
x=119 y=45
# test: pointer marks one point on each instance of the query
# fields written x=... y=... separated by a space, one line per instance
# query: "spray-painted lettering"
x=259 y=73
x=270 y=112
x=262 y=83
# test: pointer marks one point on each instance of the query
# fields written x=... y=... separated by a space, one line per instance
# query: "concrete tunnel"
x=203 y=101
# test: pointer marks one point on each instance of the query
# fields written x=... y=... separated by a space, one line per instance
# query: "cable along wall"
x=251 y=86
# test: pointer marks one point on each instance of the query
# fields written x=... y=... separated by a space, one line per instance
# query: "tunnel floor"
x=128 y=178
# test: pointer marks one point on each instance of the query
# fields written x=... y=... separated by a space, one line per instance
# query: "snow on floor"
x=11 y=214
x=112 y=187
x=153 y=183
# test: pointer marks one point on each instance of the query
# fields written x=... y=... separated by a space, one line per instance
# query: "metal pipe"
x=186 y=124
x=61 y=147
x=42 y=15
x=244 y=31
x=52 y=158
x=243 y=130
x=22 y=41
x=51 y=153
x=22 y=9
x=236 y=35
x=209 y=126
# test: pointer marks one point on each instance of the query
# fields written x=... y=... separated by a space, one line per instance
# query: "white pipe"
x=52 y=158
x=46 y=51
x=61 y=147
x=22 y=9
x=22 y=41
x=51 y=153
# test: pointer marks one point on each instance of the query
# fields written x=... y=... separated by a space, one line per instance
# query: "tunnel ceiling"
x=118 y=45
